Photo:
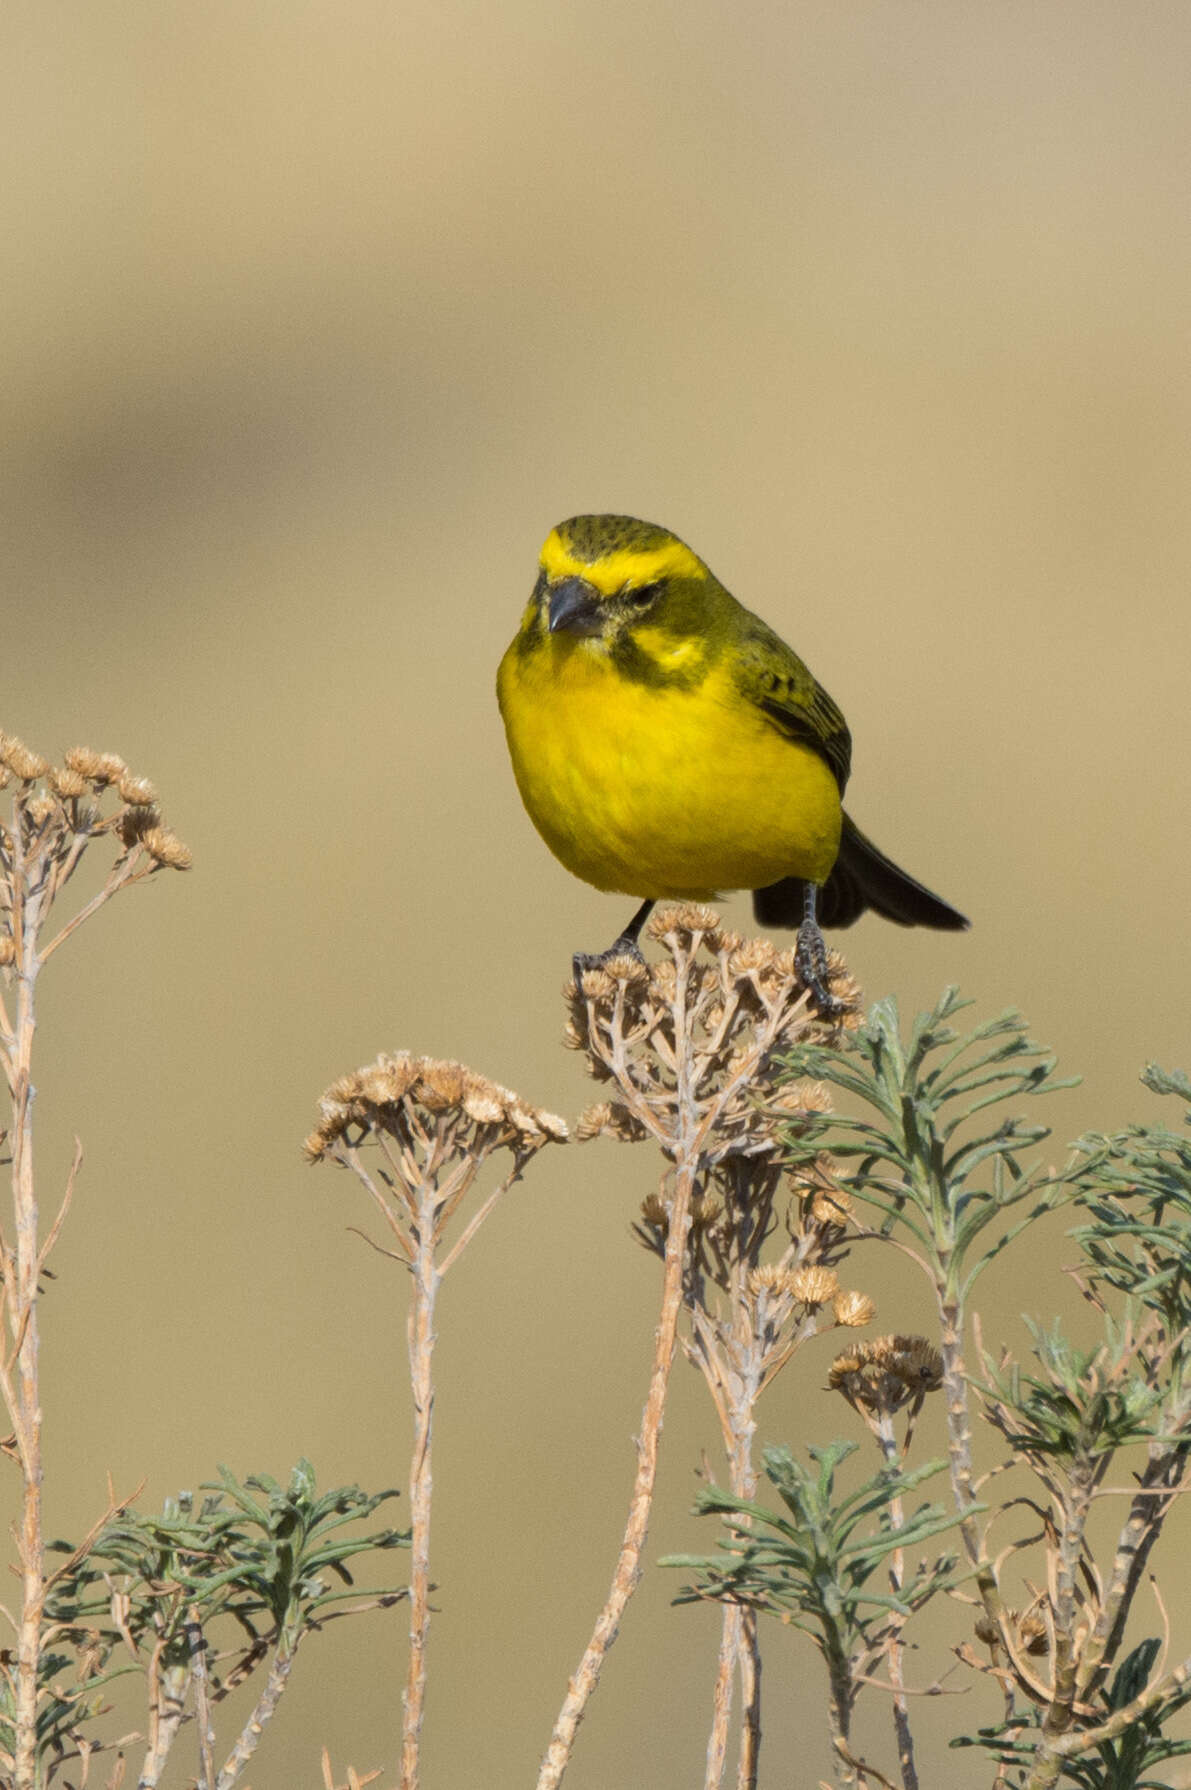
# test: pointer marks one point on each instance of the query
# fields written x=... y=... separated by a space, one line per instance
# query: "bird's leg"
x=810 y=953
x=624 y=946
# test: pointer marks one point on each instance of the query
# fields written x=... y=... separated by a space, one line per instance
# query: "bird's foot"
x=624 y=946
x=810 y=954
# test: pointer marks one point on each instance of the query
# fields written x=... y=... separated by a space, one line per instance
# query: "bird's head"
x=628 y=588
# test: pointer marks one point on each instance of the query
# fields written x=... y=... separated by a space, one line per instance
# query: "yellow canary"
x=667 y=743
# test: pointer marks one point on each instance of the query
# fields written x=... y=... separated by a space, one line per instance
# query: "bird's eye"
x=642 y=595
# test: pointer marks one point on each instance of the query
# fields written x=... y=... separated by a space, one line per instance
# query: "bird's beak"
x=575 y=608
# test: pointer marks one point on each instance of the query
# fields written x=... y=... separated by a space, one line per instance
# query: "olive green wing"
x=772 y=677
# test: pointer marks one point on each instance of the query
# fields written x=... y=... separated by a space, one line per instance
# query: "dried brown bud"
x=136 y=822
x=8 y=951
x=84 y=761
x=802 y=1097
x=67 y=784
x=655 y=1212
x=842 y=1369
x=685 y=918
x=915 y=1361
x=610 y=1118
x=705 y=1209
x=853 y=1310
x=627 y=968
x=444 y=1084
x=166 y=848
x=814 y=1286
x=137 y=790
x=25 y=765
x=1032 y=1632
x=720 y=939
x=831 y=1207
x=750 y=957
x=110 y=768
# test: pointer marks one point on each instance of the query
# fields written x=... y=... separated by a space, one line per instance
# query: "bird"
x=667 y=743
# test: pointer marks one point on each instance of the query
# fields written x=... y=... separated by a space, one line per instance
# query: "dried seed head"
x=916 y=1362
x=831 y=1206
x=40 y=809
x=655 y=1212
x=373 y=1099
x=84 y=761
x=687 y=919
x=845 y=1366
x=8 y=951
x=137 y=790
x=1032 y=1631
x=814 y=1286
x=987 y=1631
x=853 y=1310
x=136 y=822
x=24 y=764
x=67 y=783
x=593 y=1122
x=705 y=1209
x=802 y=1097
x=768 y=1278
x=627 y=968
x=722 y=940
x=110 y=768
x=610 y=1118
x=166 y=848
x=751 y=957
x=445 y=1084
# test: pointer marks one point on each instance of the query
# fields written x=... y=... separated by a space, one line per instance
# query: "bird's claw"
x=624 y=946
x=810 y=955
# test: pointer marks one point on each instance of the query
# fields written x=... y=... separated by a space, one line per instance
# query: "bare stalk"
x=53 y=820
x=253 y=1730
x=421 y=1485
x=435 y=1125
x=21 y=1301
x=628 y=1563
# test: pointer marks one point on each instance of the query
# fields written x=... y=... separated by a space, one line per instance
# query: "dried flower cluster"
x=406 y=1098
x=57 y=812
x=703 y=1025
x=693 y=1044
x=886 y=1373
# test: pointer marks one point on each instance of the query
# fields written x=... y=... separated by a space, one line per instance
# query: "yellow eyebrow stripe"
x=627 y=566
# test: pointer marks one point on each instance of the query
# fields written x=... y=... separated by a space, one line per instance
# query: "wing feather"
x=772 y=677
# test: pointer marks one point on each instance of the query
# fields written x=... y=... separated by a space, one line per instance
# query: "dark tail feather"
x=862 y=878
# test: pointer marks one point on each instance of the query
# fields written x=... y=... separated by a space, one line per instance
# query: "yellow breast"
x=661 y=790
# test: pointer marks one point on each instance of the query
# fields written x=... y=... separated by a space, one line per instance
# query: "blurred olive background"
x=316 y=319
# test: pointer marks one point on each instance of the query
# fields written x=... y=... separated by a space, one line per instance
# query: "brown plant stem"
x=421 y=1339
x=891 y=1454
x=22 y=1266
x=628 y=1564
x=252 y=1731
x=722 y=1696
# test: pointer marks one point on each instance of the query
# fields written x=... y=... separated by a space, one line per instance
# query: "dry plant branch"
x=56 y=815
x=436 y=1124
x=689 y=1043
